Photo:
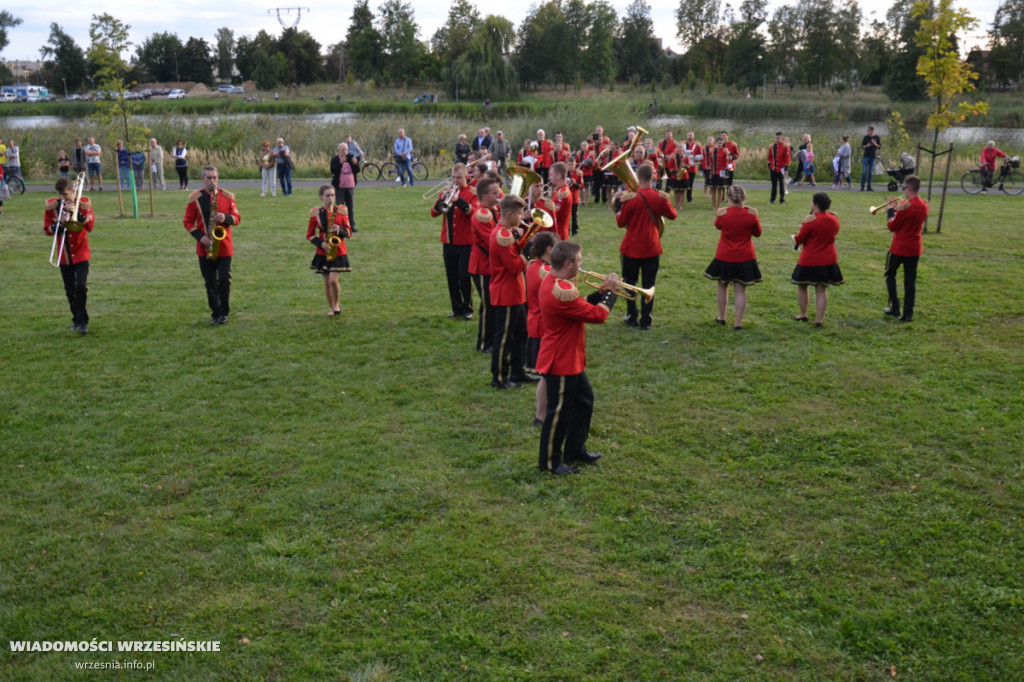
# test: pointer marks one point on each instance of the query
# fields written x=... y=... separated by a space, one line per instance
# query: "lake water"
x=29 y=122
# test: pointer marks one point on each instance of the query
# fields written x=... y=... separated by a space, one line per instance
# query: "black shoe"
x=509 y=385
x=738 y=328
x=902 y=319
x=782 y=201
x=889 y=311
x=871 y=189
x=84 y=329
x=467 y=316
x=562 y=469
x=720 y=320
x=645 y=326
x=74 y=327
x=585 y=458
x=818 y=325
x=800 y=318
x=486 y=349
x=214 y=320
x=631 y=321
x=523 y=379
x=223 y=319
x=537 y=422
x=452 y=315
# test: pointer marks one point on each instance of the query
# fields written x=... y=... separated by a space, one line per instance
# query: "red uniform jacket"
x=545 y=153
x=720 y=163
x=778 y=156
x=76 y=249
x=693 y=156
x=562 y=199
x=734 y=154
x=739 y=225
x=563 y=346
x=198 y=211
x=906 y=228
x=667 y=148
x=562 y=154
x=536 y=273
x=581 y=163
x=642 y=239
x=319 y=220
x=507 y=268
x=456 y=224
x=575 y=184
x=483 y=222
x=818 y=236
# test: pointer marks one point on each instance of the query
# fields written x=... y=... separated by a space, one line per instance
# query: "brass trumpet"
x=890 y=202
x=626 y=291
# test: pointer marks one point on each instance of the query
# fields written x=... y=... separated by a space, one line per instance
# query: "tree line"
x=817 y=43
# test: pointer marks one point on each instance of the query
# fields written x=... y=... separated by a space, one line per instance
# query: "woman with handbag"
x=181 y=164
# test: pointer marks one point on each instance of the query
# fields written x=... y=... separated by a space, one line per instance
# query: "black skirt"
x=829 y=275
x=322 y=266
x=745 y=273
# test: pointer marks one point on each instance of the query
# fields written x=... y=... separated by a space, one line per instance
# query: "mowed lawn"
x=339 y=499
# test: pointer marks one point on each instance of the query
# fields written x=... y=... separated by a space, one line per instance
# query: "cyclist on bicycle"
x=988 y=162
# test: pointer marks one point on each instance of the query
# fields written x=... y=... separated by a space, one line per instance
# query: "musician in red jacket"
x=208 y=209
x=735 y=260
x=455 y=207
x=508 y=298
x=906 y=221
x=73 y=247
x=561 y=198
x=692 y=156
x=638 y=213
x=482 y=223
x=325 y=221
x=545 y=155
x=818 y=263
x=778 y=163
x=563 y=360
x=536 y=272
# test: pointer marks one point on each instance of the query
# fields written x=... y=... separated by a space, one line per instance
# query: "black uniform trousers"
x=456 y=270
x=778 y=180
x=634 y=269
x=892 y=265
x=567 y=423
x=347 y=196
x=217 y=275
x=597 y=180
x=508 y=349
x=76 y=287
x=485 y=326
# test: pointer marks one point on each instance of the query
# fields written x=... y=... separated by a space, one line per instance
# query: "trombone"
x=890 y=202
x=442 y=186
x=629 y=292
x=60 y=229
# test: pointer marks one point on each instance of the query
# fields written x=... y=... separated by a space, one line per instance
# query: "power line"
x=288 y=10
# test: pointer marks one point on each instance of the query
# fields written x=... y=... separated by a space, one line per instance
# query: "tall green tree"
x=66 y=59
x=1006 y=44
x=599 y=66
x=7 y=20
x=109 y=37
x=225 y=53
x=745 y=65
x=537 y=53
x=196 y=61
x=902 y=82
x=248 y=51
x=302 y=53
x=485 y=70
x=823 y=47
x=399 y=39
x=783 y=45
x=364 y=47
x=451 y=41
x=639 y=52
x=160 y=56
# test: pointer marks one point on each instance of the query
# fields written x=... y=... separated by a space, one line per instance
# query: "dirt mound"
x=198 y=90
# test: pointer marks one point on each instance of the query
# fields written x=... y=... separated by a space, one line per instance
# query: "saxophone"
x=333 y=240
x=217 y=233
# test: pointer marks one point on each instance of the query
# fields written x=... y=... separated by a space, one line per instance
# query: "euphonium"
x=539 y=218
x=626 y=291
x=522 y=180
x=620 y=164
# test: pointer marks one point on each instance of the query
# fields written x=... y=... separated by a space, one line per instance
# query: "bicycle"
x=1010 y=181
x=389 y=171
x=15 y=184
x=370 y=171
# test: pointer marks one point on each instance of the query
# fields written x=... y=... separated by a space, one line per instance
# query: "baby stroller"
x=899 y=173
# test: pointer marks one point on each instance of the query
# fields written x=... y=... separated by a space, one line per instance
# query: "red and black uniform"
x=691 y=158
x=320 y=221
x=641 y=245
x=734 y=155
x=597 y=148
x=563 y=361
x=561 y=153
x=508 y=299
x=74 y=256
x=561 y=200
x=735 y=259
x=819 y=261
x=536 y=272
x=719 y=166
x=779 y=158
x=216 y=271
x=576 y=183
x=457 y=240
x=545 y=157
x=906 y=223
x=482 y=224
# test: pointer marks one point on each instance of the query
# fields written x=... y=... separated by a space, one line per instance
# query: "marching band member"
x=482 y=223
x=641 y=250
x=325 y=221
x=508 y=298
x=599 y=144
x=563 y=358
x=560 y=151
x=73 y=247
x=734 y=155
x=561 y=199
x=208 y=208
x=536 y=272
x=576 y=186
x=536 y=199
x=735 y=261
x=819 y=262
x=906 y=221
x=455 y=206
x=719 y=172
x=778 y=163
x=692 y=157
x=705 y=166
x=585 y=158
x=545 y=155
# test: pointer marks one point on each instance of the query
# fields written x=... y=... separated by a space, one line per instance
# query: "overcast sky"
x=326 y=21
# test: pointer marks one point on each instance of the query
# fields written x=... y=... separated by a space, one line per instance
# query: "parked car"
x=7 y=97
x=235 y=90
x=176 y=93
x=224 y=87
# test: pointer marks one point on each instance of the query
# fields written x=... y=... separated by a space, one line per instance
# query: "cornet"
x=626 y=291
x=889 y=203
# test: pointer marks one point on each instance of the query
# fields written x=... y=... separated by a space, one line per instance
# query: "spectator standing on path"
x=403 y=157
x=283 y=159
x=870 y=144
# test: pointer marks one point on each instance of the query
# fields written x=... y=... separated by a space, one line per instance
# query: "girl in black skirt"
x=735 y=261
x=325 y=221
x=818 y=263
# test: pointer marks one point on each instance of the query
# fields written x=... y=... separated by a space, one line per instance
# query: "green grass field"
x=348 y=499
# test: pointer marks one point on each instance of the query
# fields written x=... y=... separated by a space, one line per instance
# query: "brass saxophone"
x=216 y=234
x=333 y=240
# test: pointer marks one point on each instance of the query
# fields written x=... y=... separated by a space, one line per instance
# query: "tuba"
x=522 y=180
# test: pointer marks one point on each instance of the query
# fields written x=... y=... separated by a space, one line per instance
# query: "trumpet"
x=61 y=229
x=539 y=219
x=626 y=291
x=889 y=203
